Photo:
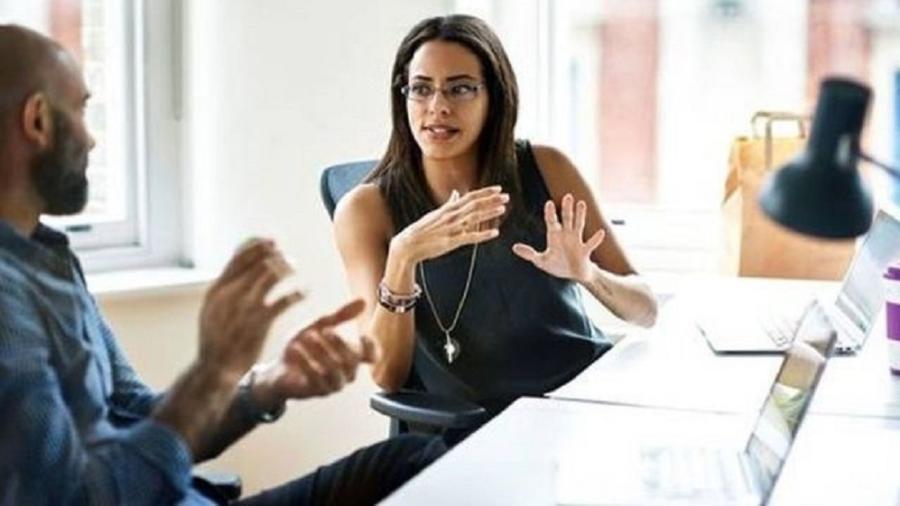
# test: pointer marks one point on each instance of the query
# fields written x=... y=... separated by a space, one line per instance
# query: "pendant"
x=451 y=348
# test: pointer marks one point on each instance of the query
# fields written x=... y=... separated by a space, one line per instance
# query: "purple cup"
x=892 y=316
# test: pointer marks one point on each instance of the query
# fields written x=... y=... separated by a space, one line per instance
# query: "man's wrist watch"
x=249 y=404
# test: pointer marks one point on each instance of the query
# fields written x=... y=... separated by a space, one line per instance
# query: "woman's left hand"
x=567 y=255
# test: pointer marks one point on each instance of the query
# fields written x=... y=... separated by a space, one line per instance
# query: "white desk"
x=666 y=387
x=514 y=459
x=672 y=366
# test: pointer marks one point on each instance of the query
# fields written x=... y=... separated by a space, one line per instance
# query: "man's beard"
x=58 y=173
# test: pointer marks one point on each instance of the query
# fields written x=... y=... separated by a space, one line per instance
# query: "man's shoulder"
x=13 y=272
x=23 y=314
x=25 y=287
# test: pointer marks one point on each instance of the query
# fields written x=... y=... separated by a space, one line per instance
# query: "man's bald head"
x=29 y=63
x=44 y=141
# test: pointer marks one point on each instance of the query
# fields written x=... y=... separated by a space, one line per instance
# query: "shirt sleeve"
x=45 y=458
x=131 y=397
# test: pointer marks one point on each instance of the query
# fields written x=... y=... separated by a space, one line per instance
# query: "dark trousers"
x=364 y=477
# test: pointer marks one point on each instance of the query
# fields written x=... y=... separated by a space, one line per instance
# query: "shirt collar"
x=46 y=247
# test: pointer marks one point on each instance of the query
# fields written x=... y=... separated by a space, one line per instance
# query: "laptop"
x=698 y=475
x=767 y=323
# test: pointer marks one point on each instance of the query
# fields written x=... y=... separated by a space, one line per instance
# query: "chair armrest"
x=428 y=409
x=222 y=485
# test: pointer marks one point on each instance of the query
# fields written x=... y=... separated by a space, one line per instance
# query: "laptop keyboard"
x=693 y=473
x=780 y=328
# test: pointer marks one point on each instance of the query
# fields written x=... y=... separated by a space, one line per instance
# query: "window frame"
x=151 y=236
x=88 y=234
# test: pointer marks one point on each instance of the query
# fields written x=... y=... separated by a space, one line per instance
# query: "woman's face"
x=447 y=100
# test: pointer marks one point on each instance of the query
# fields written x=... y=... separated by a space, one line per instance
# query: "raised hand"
x=469 y=219
x=234 y=322
x=317 y=361
x=567 y=255
x=235 y=318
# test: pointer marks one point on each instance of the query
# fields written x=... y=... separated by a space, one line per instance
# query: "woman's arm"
x=363 y=229
x=372 y=254
x=610 y=278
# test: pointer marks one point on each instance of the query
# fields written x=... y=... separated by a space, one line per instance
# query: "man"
x=78 y=427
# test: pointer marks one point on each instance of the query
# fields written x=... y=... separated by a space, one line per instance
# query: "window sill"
x=136 y=283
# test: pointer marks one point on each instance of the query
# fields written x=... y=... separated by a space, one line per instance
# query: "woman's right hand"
x=460 y=221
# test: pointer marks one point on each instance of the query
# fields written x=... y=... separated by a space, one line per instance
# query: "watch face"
x=249 y=405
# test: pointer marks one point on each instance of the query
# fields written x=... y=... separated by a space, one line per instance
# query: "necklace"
x=451 y=346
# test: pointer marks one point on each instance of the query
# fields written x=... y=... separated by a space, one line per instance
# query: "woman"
x=461 y=215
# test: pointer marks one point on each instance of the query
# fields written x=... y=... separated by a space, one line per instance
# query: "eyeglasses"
x=458 y=92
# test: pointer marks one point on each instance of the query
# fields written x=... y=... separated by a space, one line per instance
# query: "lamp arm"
x=894 y=173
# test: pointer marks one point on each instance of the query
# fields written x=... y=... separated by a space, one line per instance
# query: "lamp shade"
x=820 y=191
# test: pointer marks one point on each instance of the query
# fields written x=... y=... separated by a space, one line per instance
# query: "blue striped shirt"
x=75 y=426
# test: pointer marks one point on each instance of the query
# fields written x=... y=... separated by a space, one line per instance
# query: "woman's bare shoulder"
x=558 y=171
x=363 y=206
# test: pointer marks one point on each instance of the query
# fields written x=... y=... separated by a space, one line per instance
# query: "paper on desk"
x=671 y=365
x=652 y=370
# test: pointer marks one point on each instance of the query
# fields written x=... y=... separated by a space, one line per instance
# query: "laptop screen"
x=862 y=294
x=791 y=393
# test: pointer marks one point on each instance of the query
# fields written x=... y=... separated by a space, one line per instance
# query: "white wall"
x=32 y=13
x=714 y=73
x=274 y=91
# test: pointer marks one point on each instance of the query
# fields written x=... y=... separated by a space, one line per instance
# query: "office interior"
x=216 y=119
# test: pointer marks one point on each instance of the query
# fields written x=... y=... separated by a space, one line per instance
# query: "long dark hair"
x=399 y=174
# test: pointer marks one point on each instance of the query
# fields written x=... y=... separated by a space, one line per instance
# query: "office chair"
x=224 y=486
x=411 y=408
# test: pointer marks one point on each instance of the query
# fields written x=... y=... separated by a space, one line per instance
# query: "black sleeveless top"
x=521 y=331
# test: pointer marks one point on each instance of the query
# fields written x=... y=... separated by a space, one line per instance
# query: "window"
x=647 y=95
x=131 y=216
x=97 y=33
x=897 y=119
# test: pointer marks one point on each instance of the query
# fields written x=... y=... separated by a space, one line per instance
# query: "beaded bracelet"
x=398 y=302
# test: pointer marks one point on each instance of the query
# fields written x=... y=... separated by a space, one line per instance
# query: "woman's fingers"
x=550 y=217
x=477 y=236
x=525 y=252
x=580 y=218
x=574 y=217
x=462 y=220
x=459 y=236
x=595 y=240
x=474 y=195
x=475 y=220
x=568 y=212
x=490 y=203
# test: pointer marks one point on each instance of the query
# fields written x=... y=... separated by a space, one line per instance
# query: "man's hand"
x=315 y=362
x=235 y=319
x=234 y=322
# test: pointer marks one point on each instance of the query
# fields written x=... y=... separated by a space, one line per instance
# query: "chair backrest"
x=337 y=180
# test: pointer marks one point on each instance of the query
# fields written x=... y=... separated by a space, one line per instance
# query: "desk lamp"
x=820 y=192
